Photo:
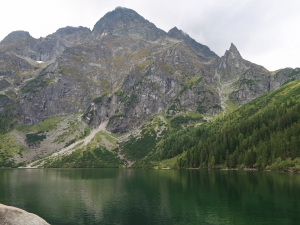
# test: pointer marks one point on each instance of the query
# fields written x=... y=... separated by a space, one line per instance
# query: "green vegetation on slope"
x=90 y=158
x=138 y=148
x=52 y=133
x=46 y=125
x=99 y=152
x=182 y=120
x=35 y=137
x=9 y=146
x=8 y=118
x=263 y=134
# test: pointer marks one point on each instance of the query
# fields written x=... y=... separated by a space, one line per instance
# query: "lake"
x=133 y=196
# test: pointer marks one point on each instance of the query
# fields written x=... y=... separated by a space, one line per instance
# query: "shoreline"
x=165 y=168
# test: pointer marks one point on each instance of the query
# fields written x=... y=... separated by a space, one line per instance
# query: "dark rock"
x=4 y=84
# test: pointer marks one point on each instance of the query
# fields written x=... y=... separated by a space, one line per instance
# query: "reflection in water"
x=128 y=196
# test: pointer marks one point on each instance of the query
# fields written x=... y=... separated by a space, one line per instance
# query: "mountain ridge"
x=124 y=71
x=70 y=42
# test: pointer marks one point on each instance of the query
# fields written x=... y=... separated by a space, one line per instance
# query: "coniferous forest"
x=263 y=134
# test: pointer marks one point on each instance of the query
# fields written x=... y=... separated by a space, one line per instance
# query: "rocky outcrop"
x=15 y=216
x=170 y=76
x=246 y=80
x=242 y=81
x=201 y=50
x=125 y=70
x=17 y=37
x=123 y=22
x=114 y=59
x=284 y=76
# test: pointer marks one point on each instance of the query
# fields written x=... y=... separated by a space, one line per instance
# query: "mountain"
x=262 y=134
x=124 y=71
x=123 y=22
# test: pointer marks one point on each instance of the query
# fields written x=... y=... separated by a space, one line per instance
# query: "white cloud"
x=265 y=32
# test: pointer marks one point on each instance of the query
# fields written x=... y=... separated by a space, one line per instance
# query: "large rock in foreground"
x=14 y=216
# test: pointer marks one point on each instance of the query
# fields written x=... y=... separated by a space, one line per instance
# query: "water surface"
x=128 y=196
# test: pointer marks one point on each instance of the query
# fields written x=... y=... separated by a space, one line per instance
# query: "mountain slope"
x=260 y=134
x=125 y=71
x=125 y=55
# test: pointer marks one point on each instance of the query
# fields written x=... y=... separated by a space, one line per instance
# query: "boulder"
x=14 y=216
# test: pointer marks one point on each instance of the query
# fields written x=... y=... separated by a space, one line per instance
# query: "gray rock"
x=4 y=84
x=15 y=216
x=124 y=22
x=125 y=70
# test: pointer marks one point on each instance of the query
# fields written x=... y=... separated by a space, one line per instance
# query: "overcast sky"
x=266 y=32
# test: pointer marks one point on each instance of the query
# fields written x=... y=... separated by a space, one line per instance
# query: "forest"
x=263 y=134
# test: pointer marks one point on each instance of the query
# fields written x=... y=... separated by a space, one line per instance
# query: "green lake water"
x=131 y=196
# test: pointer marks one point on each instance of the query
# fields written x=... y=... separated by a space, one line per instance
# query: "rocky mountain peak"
x=118 y=16
x=124 y=22
x=201 y=50
x=232 y=53
x=71 y=30
x=16 y=36
x=176 y=33
x=231 y=64
x=232 y=57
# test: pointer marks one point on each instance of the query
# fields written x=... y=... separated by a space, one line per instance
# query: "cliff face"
x=241 y=81
x=125 y=70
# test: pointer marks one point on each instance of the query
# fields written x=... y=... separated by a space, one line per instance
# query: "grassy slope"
x=10 y=145
x=86 y=158
x=55 y=132
x=99 y=153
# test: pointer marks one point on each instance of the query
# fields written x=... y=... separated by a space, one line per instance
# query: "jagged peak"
x=118 y=15
x=70 y=30
x=176 y=33
x=122 y=11
x=174 y=29
x=232 y=47
x=233 y=52
x=126 y=22
x=16 y=36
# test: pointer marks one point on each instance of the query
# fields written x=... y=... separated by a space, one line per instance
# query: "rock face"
x=4 y=84
x=14 y=216
x=123 y=22
x=240 y=81
x=125 y=70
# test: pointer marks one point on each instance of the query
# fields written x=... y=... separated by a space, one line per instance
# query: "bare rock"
x=14 y=216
